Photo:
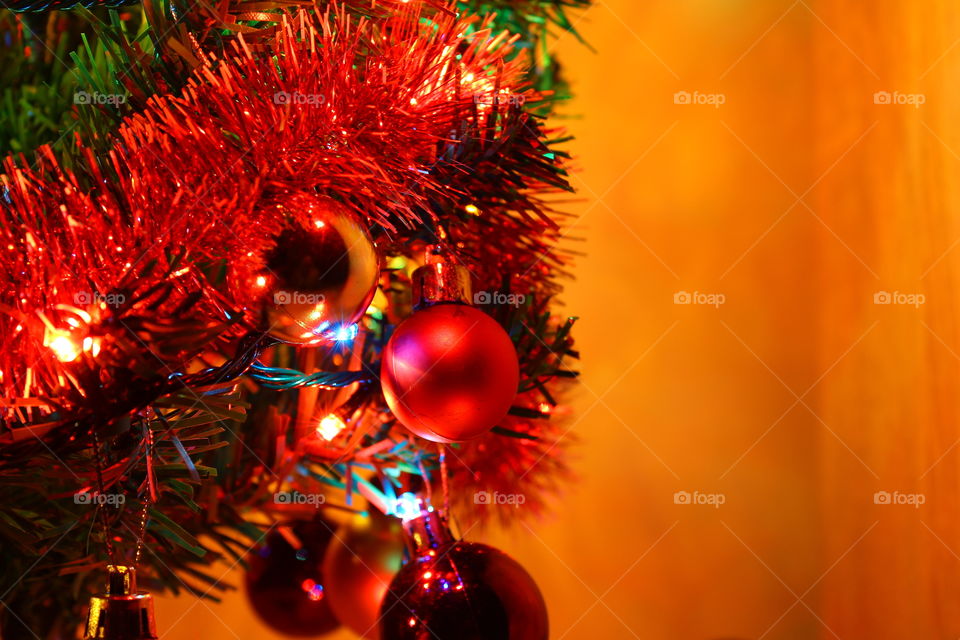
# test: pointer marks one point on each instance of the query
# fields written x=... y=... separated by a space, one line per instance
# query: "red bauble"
x=321 y=274
x=285 y=583
x=462 y=591
x=449 y=373
x=358 y=568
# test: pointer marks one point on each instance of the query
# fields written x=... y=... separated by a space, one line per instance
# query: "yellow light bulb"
x=65 y=349
x=330 y=427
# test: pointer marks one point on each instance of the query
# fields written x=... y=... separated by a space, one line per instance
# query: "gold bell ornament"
x=122 y=613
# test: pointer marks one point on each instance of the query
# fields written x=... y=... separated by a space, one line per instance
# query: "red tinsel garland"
x=127 y=247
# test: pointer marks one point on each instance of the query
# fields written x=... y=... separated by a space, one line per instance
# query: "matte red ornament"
x=453 y=590
x=449 y=373
x=358 y=567
x=285 y=583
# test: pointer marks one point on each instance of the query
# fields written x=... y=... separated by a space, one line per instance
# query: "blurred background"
x=767 y=420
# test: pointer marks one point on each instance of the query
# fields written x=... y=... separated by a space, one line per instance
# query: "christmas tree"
x=279 y=284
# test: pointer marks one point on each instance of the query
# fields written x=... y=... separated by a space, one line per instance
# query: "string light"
x=330 y=426
x=65 y=349
x=345 y=332
x=408 y=506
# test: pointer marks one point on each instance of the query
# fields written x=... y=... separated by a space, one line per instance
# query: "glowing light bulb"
x=261 y=281
x=65 y=349
x=345 y=332
x=408 y=506
x=330 y=427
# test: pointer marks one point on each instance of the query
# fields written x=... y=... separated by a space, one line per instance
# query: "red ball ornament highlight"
x=285 y=583
x=449 y=373
x=452 y=590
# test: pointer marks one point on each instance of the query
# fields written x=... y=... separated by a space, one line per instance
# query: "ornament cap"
x=121 y=580
x=427 y=532
x=440 y=280
x=122 y=613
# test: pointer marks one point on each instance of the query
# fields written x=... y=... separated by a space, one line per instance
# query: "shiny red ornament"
x=285 y=583
x=320 y=275
x=452 y=590
x=449 y=373
x=358 y=568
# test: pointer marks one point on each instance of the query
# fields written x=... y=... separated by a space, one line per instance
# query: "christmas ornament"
x=122 y=613
x=449 y=372
x=358 y=568
x=452 y=590
x=321 y=274
x=284 y=581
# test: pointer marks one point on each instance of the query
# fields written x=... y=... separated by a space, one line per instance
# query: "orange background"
x=798 y=200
